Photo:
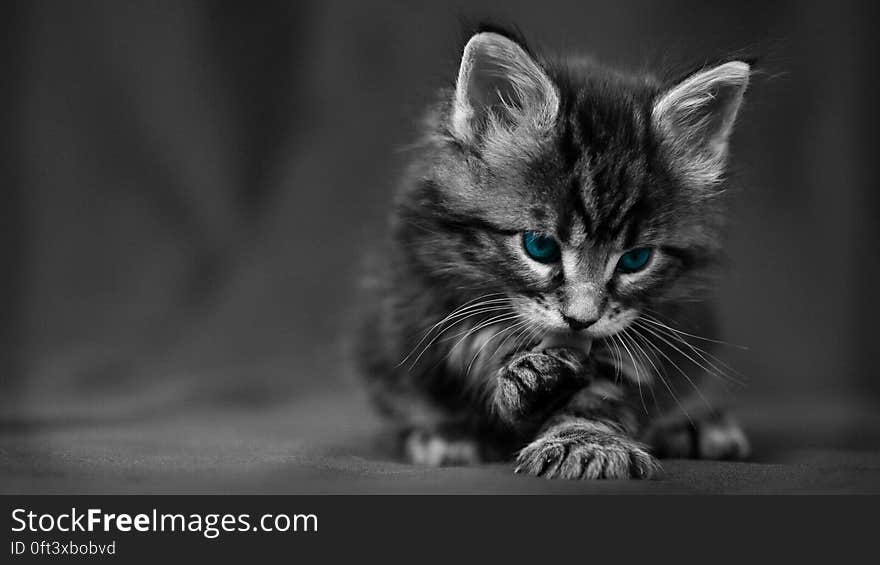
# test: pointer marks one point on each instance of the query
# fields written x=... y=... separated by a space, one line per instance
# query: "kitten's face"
x=582 y=285
x=582 y=244
x=583 y=195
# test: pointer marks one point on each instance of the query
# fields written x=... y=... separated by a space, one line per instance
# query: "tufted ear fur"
x=500 y=85
x=694 y=118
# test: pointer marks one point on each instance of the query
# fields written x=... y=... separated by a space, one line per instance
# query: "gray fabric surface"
x=332 y=443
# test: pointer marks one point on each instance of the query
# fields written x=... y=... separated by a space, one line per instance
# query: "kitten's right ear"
x=695 y=117
x=500 y=84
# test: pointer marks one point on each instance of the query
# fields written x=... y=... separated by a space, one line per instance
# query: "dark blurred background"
x=189 y=190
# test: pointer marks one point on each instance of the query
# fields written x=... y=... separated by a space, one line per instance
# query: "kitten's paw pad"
x=436 y=450
x=527 y=387
x=577 y=454
x=715 y=437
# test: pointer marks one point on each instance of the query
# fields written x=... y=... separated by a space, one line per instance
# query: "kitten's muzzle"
x=576 y=324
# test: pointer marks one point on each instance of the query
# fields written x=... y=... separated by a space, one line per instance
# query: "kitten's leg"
x=532 y=384
x=714 y=435
x=528 y=387
x=430 y=435
x=591 y=438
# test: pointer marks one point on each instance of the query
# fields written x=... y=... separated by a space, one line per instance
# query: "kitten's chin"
x=614 y=326
x=565 y=338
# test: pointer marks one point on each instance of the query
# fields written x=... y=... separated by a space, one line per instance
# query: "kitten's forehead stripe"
x=603 y=149
x=576 y=220
x=539 y=214
x=606 y=192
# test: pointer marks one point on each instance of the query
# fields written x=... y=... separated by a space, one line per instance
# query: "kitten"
x=555 y=230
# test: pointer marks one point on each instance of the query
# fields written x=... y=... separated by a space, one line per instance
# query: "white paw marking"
x=432 y=450
x=724 y=441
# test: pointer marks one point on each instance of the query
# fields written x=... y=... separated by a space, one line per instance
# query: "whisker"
x=452 y=325
x=682 y=332
x=493 y=336
x=504 y=309
x=457 y=312
x=663 y=378
x=468 y=307
x=644 y=354
x=635 y=368
x=501 y=318
x=618 y=359
x=527 y=337
x=536 y=335
x=716 y=372
x=705 y=355
x=522 y=330
x=676 y=366
x=636 y=364
x=463 y=312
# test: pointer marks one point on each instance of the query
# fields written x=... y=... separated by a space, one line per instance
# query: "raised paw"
x=434 y=449
x=532 y=384
x=712 y=436
x=579 y=449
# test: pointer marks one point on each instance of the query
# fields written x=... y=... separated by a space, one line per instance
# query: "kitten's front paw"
x=531 y=385
x=581 y=450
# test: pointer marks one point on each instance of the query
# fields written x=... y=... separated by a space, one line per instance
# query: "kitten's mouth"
x=572 y=340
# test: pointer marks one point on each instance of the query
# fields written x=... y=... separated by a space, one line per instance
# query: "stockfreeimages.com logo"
x=209 y=525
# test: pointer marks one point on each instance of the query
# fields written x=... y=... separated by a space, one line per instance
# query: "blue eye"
x=541 y=248
x=634 y=260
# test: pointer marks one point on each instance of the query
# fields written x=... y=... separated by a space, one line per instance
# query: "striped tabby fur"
x=469 y=345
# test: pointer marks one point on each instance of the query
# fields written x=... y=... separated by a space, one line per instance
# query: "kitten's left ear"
x=499 y=83
x=695 y=117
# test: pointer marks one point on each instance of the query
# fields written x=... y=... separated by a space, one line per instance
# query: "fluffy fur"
x=476 y=350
